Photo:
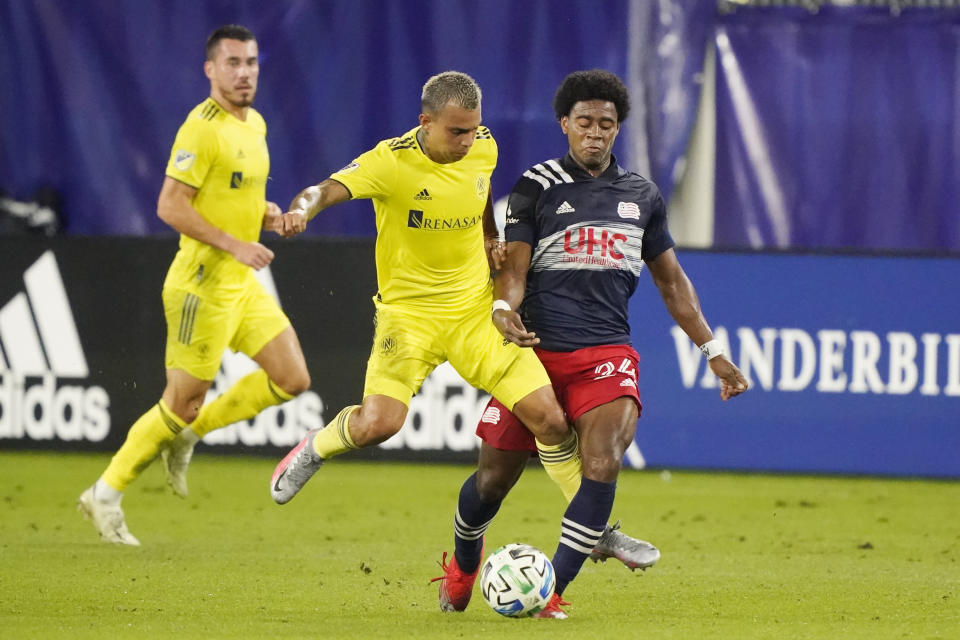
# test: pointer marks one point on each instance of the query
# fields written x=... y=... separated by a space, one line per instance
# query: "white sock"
x=104 y=493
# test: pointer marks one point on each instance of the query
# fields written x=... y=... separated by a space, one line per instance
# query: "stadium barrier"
x=854 y=361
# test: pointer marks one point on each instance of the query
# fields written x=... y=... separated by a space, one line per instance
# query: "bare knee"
x=556 y=429
x=374 y=423
x=602 y=457
x=282 y=360
x=605 y=433
x=542 y=415
x=367 y=431
x=188 y=414
x=294 y=383
x=184 y=394
x=184 y=406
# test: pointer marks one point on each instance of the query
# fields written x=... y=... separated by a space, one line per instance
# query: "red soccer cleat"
x=456 y=587
x=553 y=610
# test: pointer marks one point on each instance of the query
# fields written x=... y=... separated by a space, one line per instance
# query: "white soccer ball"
x=517 y=580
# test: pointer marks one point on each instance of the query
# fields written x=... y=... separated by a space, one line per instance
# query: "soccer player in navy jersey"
x=579 y=230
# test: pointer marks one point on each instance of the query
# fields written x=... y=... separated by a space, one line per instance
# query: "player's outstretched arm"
x=309 y=203
x=174 y=207
x=681 y=301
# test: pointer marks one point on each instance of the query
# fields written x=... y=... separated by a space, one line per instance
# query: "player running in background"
x=431 y=196
x=214 y=194
x=578 y=230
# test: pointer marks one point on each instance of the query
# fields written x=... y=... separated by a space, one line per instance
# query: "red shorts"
x=583 y=380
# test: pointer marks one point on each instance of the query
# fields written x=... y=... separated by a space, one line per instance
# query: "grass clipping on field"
x=744 y=556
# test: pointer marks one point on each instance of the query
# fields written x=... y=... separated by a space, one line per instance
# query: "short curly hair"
x=595 y=84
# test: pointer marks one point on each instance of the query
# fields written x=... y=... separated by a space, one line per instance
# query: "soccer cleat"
x=107 y=518
x=635 y=554
x=176 y=458
x=553 y=610
x=456 y=587
x=295 y=469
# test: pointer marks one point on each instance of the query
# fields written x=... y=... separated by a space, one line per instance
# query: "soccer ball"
x=517 y=580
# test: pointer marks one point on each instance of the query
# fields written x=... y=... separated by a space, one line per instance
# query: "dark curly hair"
x=595 y=84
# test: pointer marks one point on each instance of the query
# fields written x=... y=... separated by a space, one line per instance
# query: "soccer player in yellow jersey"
x=430 y=189
x=214 y=194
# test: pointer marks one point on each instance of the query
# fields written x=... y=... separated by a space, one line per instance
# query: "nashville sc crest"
x=481 y=187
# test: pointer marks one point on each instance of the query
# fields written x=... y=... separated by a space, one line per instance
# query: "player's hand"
x=253 y=254
x=510 y=326
x=291 y=223
x=271 y=217
x=496 y=252
x=732 y=382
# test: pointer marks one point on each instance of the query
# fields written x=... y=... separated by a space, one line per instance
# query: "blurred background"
x=809 y=150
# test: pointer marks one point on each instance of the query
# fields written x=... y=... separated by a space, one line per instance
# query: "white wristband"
x=501 y=304
x=711 y=349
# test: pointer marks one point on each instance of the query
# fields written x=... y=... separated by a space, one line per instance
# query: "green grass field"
x=744 y=556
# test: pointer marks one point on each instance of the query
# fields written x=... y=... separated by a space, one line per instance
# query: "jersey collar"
x=570 y=165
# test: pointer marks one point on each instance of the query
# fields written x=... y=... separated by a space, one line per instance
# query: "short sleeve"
x=656 y=235
x=372 y=175
x=521 y=212
x=193 y=153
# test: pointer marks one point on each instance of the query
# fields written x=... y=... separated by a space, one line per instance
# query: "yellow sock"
x=148 y=434
x=335 y=439
x=563 y=464
x=246 y=398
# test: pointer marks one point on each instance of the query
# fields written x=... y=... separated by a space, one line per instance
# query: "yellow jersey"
x=429 y=219
x=227 y=161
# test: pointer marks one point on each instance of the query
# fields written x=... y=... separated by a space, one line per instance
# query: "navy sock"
x=473 y=518
x=582 y=526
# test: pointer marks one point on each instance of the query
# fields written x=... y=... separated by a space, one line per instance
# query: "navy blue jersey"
x=589 y=238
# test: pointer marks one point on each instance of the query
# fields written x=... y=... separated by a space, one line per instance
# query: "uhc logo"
x=595 y=241
x=40 y=346
x=236 y=180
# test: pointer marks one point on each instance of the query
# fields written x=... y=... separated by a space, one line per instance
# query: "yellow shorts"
x=200 y=326
x=408 y=344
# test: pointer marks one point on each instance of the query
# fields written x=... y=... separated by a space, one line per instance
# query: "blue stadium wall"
x=854 y=360
x=103 y=85
x=836 y=128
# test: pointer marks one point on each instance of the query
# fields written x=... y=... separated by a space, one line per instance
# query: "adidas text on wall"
x=43 y=370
